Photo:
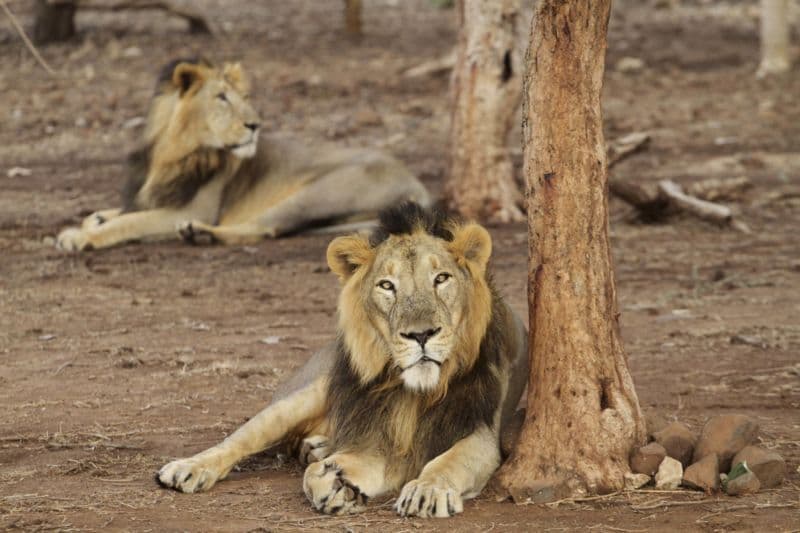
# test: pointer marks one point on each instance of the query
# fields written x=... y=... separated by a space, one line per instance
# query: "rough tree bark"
x=774 y=37
x=486 y=89
x=583 y=417
x=53 y=21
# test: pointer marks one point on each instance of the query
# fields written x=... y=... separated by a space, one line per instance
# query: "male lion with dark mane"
x=205 y=174
x=427 y=369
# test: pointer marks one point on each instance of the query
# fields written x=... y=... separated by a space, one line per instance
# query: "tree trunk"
x=53 y=21
x=352 y=18
x=583 y=417
x=486 y=90
x=774 y=37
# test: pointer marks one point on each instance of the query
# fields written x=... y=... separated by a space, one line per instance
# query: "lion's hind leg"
x=270 y=426
x=314 y=448
x=196 y=232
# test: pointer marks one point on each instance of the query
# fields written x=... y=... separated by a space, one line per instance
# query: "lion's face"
x=419 y=296
x=213 y=108
x=414 y=293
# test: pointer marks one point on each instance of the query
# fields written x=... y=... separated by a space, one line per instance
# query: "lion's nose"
x=421 y=336
x=252 y=126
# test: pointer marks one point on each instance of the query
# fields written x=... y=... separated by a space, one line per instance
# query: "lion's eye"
x=222 y=97
x=441 y=278
x=386 y=285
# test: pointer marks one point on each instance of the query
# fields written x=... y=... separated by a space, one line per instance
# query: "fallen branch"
x=714 y=189
x=710 y=211
x=25 y=39
x=619 y=149
x=655 y=201
x=433 y=66
x=197 y=23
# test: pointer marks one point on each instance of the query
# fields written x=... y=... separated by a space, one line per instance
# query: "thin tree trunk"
x=352 y=18
x=486 y=90
x=774 y=37
x=583 y=417
x=53 y=21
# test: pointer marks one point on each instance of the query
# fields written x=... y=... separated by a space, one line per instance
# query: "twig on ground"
x=25 y=38
x=556 y=503
x=62 y=367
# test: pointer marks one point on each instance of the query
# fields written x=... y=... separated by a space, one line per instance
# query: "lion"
x=427 y=369
x=205 y=173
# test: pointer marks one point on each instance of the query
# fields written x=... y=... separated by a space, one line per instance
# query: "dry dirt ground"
x=113 y=362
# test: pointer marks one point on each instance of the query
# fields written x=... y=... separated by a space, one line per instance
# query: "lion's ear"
x=346 y=254
x=187 y=75
x=234 y=74
x=472 y=243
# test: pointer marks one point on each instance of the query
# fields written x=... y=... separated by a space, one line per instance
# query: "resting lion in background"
x=427 y=369
x=205 y=174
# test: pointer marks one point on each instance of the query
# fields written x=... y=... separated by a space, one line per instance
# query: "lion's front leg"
x=200 y=472
x=98 y=218
x=457 y=474
x=151 y=224
x=344 y=482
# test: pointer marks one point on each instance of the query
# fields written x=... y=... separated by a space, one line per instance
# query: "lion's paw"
x=187 y=475
x=314 y=448
x=192 y=232
x=72 y=240
x=428 y=498
x=329 y=490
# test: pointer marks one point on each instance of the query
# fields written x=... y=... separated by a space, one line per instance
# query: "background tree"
x=54 y=21
x=485 y=92
x=583 y=417
x=774 y=37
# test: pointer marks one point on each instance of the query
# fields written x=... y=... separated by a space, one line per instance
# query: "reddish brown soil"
x=113 y=362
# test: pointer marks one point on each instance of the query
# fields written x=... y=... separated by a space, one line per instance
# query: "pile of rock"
x=724 y=456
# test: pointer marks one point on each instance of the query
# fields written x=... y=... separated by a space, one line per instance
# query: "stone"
x=725 y=435
x=704 y=474
x=769 y=467
x=747 y=483
x=678 y=441
x=646 y=459
x=669 y=474
x=654 y=423
x=630 y=64
x=367 y=117
x=636 y=481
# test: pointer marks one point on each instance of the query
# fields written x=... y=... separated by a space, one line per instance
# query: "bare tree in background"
x=352 y=18
x=54 y=21
x=583 y=417
x=774 y=37
x=486 y=89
